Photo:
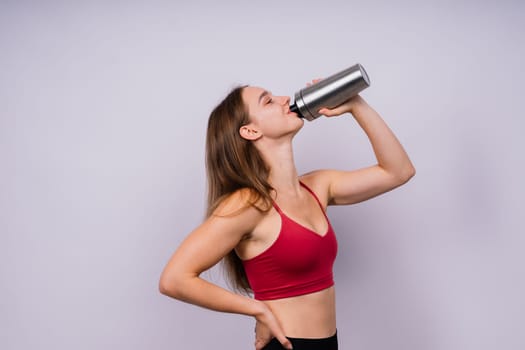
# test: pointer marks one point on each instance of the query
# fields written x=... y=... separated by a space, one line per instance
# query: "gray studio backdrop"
x=103 y=112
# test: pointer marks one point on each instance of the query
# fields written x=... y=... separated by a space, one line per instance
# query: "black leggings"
x=329 y=343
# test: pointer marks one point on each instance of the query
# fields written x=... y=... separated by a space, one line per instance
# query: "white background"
x=103 y=111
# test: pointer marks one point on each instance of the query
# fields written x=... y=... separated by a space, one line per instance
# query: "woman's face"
x=270 y=115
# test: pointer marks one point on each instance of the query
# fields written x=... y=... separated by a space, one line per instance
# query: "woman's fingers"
x=266 y=327
x=334 y=112
x=314 y=81
x=278 y=333
x=259 y=344
x=346 y=107
x=263 y=335
x=285 y=342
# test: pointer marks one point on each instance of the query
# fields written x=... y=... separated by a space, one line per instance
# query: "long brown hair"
x=233 y=163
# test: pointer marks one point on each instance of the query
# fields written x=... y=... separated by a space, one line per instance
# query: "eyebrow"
x=265 y=93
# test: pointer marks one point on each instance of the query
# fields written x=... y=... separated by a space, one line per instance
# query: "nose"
x=285 y=100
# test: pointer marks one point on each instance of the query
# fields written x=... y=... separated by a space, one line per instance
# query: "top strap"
x=311 y=192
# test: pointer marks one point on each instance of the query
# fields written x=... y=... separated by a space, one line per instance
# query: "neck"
x=283 y=174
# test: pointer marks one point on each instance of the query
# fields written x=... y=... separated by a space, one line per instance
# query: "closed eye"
x=265 y=98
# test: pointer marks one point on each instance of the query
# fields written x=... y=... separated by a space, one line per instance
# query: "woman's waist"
x=306 y=316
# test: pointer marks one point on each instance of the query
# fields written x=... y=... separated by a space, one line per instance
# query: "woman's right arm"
x=205 y=247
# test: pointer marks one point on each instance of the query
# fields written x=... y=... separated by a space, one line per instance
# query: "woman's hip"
x=329 y=343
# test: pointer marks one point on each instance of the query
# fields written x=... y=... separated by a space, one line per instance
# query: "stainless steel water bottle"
x=330 y=92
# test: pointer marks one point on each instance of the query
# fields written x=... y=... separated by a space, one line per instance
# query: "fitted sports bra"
x=299 y=261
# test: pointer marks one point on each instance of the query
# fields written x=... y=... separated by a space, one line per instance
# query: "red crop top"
x=299 y=262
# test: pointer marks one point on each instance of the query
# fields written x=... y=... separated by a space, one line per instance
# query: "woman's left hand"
x=263 y=335
x=346 y=107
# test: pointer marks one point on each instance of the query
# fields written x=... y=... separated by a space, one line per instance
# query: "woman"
x=269 y=223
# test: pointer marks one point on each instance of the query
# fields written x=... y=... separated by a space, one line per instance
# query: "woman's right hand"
x=266 y=328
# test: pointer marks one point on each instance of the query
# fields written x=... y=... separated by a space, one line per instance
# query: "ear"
x=249 y=132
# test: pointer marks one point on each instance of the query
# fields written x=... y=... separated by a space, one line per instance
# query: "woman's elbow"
x=408 y=172
x=169 y=287
x=165 y=287
x=402 y=174
x=411 y=171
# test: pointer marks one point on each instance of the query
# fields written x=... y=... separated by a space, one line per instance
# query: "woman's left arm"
x=393 y=167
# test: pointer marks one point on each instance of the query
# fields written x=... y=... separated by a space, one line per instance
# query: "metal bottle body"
x=330 y=92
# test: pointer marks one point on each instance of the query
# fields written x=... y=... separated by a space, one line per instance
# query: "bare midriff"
x=306 y=316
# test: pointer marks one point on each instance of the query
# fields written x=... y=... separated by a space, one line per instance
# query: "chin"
x=299 y=126
x=301 y=122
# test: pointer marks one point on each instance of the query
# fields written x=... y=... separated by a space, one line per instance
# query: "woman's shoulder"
x=318 y=181
x=241 y=201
